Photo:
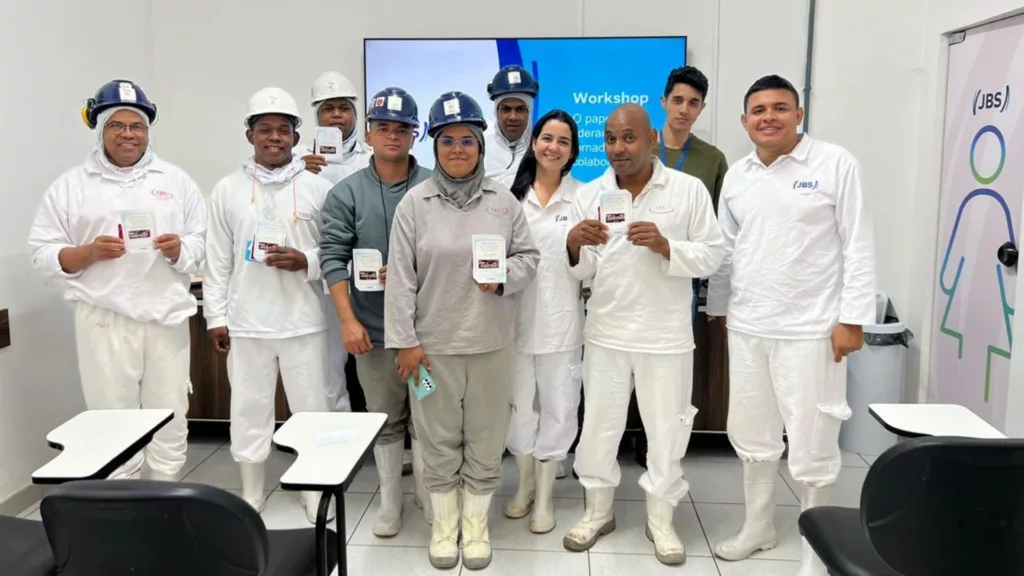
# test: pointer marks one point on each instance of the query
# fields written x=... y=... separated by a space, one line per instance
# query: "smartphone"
x=426 y=384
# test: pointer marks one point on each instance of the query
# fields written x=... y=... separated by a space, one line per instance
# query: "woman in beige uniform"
x=437 y=316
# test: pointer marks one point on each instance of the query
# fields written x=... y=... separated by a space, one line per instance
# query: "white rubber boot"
x=389 y=470
x=253 y=478
x=522 y=502
x=560 y=472
x=810 y=564
x=444 y=532
x=758 y=532
x=422 y=497
x=667 y=546
x=311 y=502
x=543 y=519
x=598 y=520
x=476 y=538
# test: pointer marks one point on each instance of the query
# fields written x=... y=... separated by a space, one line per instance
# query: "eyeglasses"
x=466 y=143
x=136 y=127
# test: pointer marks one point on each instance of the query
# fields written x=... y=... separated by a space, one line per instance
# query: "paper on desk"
x=335 y=437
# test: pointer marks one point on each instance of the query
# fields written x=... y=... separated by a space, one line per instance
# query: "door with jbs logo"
x=979 y=223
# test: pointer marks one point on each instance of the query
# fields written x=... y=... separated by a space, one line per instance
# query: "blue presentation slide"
x=586 y=77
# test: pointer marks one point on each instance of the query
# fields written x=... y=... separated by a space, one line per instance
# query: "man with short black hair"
x=797 y=285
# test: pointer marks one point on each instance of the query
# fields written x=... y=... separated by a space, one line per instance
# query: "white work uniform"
x=357 y=158
x=800 y=259
x=502 y=158
x=274 y=317
x=548 y=368
x=639 y=326
x=131 y=313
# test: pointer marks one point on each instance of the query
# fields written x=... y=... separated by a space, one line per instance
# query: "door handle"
x=1007 y=255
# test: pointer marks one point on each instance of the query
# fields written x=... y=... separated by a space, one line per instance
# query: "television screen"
x=586 y=77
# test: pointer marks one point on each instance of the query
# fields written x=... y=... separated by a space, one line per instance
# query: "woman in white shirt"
x=547 y=374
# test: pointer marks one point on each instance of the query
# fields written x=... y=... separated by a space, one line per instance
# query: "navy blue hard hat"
x=393 y=104
x=455 y=108
x=117 y=93
x=513 y=79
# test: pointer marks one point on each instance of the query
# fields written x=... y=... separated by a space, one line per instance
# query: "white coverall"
x=274 y=317
x=638 y=325
x=548 y=367
x=800 y=260
x=131 y=313
x=503 y=157
x=356 y=158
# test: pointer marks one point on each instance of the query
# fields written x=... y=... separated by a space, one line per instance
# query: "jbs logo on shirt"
x=662 y=209
x=304 y=215
x=497 y=211
x=163 y=194
x=561 y=219
x=805 y=185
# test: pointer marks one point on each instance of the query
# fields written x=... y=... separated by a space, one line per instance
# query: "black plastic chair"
x=148 y=527
x=24 y=549
x=933 y=506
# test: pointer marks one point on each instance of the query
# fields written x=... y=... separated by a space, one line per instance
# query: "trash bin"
x=875 y=374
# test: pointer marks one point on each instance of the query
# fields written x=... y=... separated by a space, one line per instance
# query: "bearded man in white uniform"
x=124 y=231
x=797 y=285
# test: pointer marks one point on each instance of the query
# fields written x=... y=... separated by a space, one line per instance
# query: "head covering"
x=529 y=119
x=127 y=174
x=460 y=190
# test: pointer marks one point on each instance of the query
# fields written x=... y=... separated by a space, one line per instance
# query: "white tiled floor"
x=712 y=511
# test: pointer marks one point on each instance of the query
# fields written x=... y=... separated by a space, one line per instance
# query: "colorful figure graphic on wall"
x=986 y=266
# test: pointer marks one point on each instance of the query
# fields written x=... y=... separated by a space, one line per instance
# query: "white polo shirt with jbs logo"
x=800 y=245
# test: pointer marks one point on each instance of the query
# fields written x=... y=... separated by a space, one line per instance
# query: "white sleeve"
x=313 y=271
x=219 y=262
x=857 y=299
x=51 y=231
x=193 y=238
x=586 y=266
x=701 y=253
x=720 y=286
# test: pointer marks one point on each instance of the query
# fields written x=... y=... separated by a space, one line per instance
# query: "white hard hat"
x=273 y=101
x=332 y=85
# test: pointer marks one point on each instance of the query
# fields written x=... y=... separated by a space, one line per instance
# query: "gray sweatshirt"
x=358 y=214
x=431 y=299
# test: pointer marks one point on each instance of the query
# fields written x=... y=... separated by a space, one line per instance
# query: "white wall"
x=45 y=83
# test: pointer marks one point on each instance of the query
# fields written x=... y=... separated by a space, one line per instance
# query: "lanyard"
x=682 y=155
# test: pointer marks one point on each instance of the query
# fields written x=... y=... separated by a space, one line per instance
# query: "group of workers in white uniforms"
x=795 y=302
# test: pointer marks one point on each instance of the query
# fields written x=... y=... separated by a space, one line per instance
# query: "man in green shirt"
x=677 y=146
x=683 y=101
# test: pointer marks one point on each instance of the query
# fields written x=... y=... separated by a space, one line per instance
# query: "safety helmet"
x=455 y=108
x=394 y=104
x=117 y=93
x=272 y=101
x=331 y=85
x=513 y=79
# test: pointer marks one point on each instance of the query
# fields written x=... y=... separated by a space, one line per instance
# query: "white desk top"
x=329 y=446
x=933 y=420
x=95 y=438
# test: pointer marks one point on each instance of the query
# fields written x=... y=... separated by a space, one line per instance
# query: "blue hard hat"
x=117 y=93
x=513 y=79
x=393 y=104
x=455 y=108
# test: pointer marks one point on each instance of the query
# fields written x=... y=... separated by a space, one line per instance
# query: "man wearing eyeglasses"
x=123 y=231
